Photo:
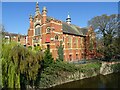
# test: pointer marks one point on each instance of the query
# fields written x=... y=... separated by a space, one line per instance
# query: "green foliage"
x=37 y=48
x=65 y=66
x=19 y=63
x=60 y=52
x=9 y=74
x=48 y=60
x=30 y=47
x=116 y=46
x=1 y=73
x=91 y=46
x=57 y=70
x=60 y=70
x=116 y=67
x=88 y=67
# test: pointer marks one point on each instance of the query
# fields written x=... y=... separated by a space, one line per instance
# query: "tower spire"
x=68 y=19
x=44 y=14
x=37 y=9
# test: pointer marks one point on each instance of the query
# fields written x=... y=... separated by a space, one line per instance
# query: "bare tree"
x=106 y=28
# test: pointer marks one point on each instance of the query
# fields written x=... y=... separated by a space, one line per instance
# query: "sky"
x=15 y=15
x=60 y=0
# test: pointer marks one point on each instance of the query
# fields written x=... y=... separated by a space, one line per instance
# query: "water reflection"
x=100 y=81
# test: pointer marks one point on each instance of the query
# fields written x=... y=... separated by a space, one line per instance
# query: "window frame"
x=57 y=37
x=37 y=28
x=47 y=29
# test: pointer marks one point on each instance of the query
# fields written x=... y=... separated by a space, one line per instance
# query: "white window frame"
x=38 y=26
x=47 y=29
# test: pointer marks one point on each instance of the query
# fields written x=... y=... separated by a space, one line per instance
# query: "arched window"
x=56 y=37
x=48 y=30
x=37 y=30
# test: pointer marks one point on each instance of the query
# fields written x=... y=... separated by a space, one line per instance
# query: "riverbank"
x=109 y=67
x=61 y=73
x=98 y=82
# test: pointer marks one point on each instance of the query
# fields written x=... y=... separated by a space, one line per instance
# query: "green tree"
x=106 y=27
x=10 y=78
x=48 y=60
x=116 y=46
x=19 y=63
x=60 y=52
x=37 y=48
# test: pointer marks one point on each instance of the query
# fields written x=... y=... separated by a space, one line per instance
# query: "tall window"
x=76 y=42
x=70 y=57
x=77 y=57
x=37 y=30
x=82 y=42
x=56 y=37
x=69 y=42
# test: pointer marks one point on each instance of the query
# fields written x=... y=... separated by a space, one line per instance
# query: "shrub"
x=116 y=67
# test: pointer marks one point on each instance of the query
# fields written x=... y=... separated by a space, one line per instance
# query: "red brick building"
x=47 y=32
x=18 y=38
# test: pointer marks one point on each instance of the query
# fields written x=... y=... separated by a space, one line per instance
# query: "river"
x=100 y=81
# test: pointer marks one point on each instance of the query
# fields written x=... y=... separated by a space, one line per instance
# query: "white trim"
x=44 y=15
x=45 y=24
x=74 y=48
x=50 y=44
x=40 y=30
x=57 y=32
x=37 y=21
x=55 y=22
x=47 y=29
x=52 y=39
x=7 y=36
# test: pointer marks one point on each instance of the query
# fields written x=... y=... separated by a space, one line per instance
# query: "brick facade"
x=18 y=38
x=49 y=32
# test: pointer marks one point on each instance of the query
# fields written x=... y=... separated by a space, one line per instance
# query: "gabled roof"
x=71 y=29
x=13 y=34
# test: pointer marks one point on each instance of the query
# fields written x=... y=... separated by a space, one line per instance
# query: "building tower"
x=30 y=31
x=37 y=9
x=68 y=19
x=31 y=21
x=44 y=14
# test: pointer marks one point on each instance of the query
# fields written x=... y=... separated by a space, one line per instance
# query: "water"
x=100 y=82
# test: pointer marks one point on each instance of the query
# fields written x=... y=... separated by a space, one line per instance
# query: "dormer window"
x=48 y=30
